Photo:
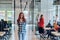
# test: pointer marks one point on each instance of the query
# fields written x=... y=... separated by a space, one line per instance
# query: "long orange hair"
x=20 y=17
x=55 y=26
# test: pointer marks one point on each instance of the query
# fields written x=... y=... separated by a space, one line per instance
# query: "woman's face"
x=22 y=15
x=42 y=16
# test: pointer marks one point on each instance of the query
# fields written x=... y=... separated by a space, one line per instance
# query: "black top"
x=49 y=25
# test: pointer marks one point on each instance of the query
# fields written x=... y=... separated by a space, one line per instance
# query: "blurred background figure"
x=56 y=19
x=41 y=25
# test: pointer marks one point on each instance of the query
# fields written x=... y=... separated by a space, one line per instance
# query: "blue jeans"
x=21 y=35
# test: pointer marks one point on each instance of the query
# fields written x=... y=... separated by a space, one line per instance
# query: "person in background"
x=21 y=21
x=56 y=19
x=37 y=18
x=36 y=27
x=2 y=24
x=56 y=22
x=55 y=26
x=41 y=25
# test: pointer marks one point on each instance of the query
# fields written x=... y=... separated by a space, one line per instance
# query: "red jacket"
x=41 y=22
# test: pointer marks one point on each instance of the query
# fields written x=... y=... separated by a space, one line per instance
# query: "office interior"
x=9 y=12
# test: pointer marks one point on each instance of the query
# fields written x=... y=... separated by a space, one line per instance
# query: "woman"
x=55 y=26
x=41 y=25
x=22 y=25
x=57 y=19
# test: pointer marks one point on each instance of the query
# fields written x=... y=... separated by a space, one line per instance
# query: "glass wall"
x=6 y=11
x=2 y=15
x=37 y=10
x=47 y=8
x=59 y=11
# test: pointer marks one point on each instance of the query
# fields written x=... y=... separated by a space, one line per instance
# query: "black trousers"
x=41 y=30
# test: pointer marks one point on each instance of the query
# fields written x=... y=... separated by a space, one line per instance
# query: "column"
x=56 y=9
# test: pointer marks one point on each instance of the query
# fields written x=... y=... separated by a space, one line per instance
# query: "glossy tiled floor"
x=29 y=34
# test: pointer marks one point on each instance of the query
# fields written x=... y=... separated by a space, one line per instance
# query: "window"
x=2 y=15
x=9 y=15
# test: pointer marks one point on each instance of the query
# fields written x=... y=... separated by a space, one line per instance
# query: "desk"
x=48 y=28
x=56 y=33
x=7 y=29
x=2 y=33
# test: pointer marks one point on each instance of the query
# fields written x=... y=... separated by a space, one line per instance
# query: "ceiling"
x=56 y=2
x=5 y=1
x=28 y=3
x=25 y=3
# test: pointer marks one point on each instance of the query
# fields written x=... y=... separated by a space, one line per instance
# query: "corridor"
x=33 y=15
x=29 y=34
